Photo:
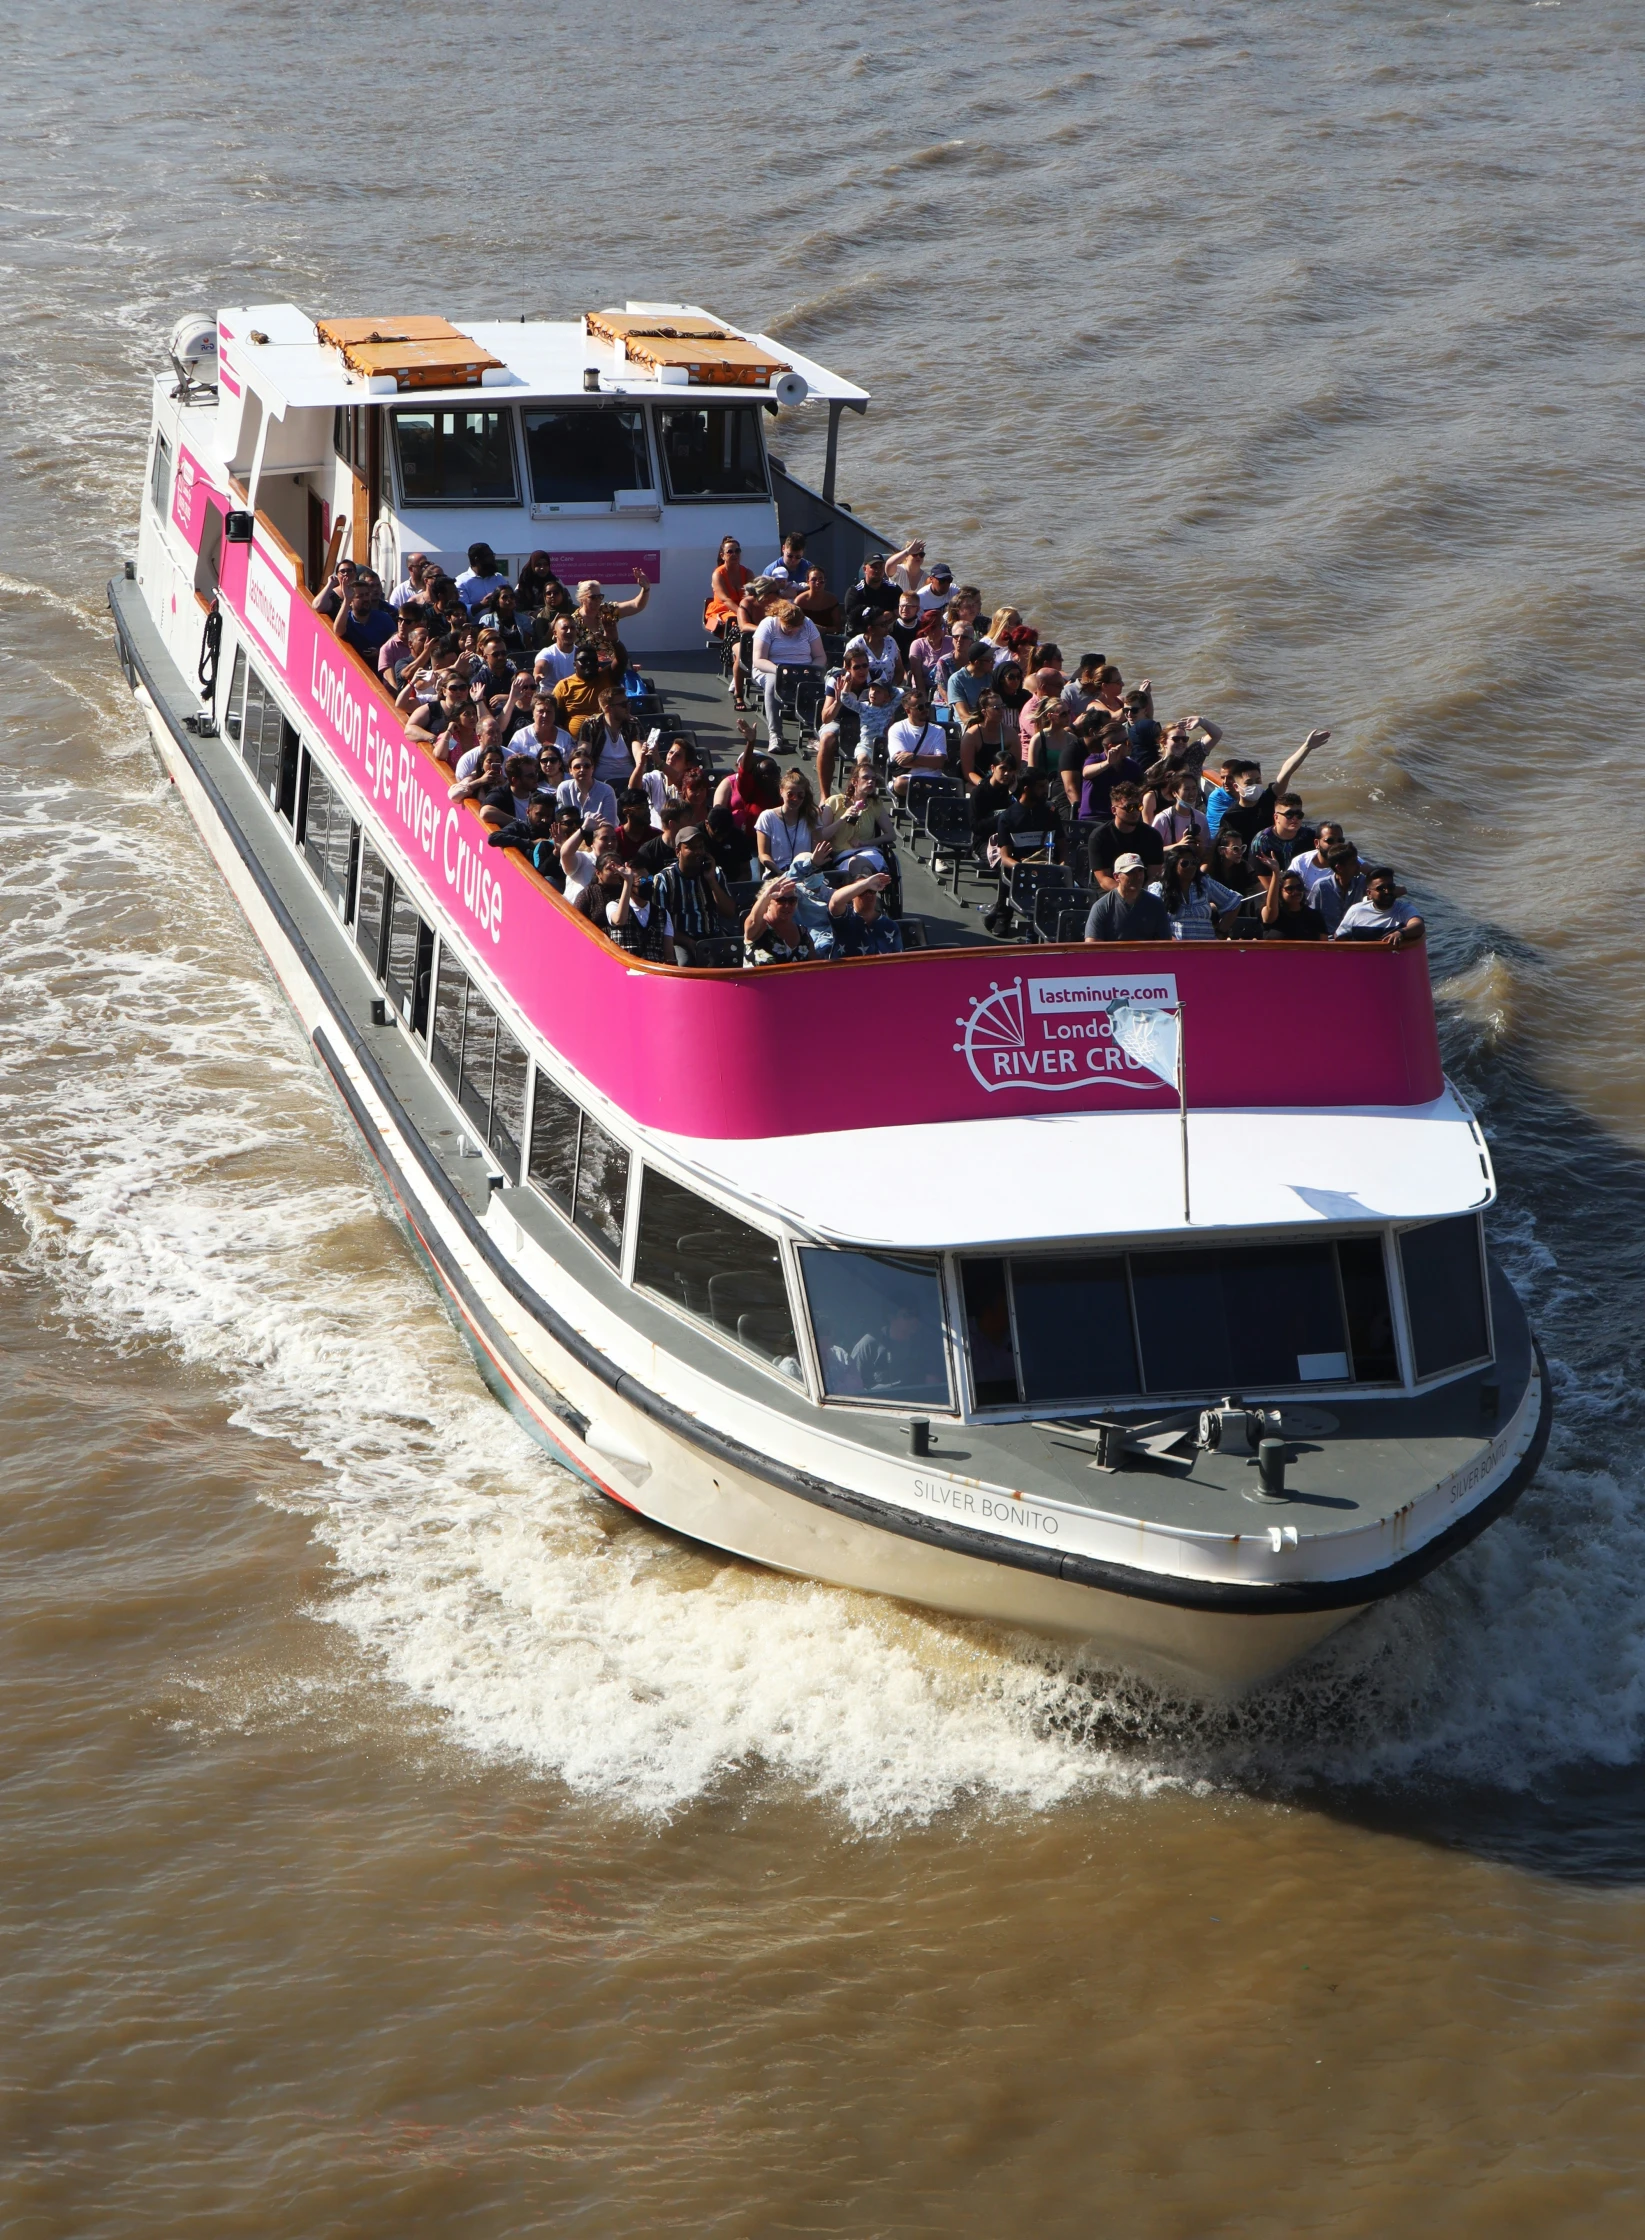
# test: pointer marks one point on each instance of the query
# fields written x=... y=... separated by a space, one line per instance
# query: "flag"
x=1148 y=1037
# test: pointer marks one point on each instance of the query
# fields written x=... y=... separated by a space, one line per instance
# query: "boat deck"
x=1382 y=1454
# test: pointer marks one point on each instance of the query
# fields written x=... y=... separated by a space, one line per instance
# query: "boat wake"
x=185 y=1181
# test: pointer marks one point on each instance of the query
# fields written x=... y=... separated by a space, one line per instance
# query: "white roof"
x=1072 y=1175
x=544 y=358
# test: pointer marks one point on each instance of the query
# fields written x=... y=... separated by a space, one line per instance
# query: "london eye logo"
x=1057 y=1038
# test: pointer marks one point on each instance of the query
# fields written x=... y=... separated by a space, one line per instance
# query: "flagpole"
x=1182 y=1109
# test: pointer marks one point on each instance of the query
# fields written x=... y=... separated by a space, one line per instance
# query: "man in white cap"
x=1128 y=912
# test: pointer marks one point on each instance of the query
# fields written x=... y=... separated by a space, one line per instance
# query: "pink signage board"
x=611 y=570
x=934 y=1035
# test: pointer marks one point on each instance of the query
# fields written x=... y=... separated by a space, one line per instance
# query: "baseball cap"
x=1123 y=864
x=940 y=572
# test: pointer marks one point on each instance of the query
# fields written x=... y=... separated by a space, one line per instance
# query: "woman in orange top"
x=725 y=587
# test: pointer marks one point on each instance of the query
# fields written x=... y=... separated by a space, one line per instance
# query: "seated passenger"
x=510 y=803
x=994 y=792
x=1315 y=863
x=1125 y=834
x=905 y=570
x=1008 y=683
x=365 y=623
x=791 y=829
x=496 y=671
x=860 y=822
x=1254 y=809
x=1026 y=832
x=725 y=588
x=1287 y=914
x=1177 y=813
x=819 y=605
x=982 y=742
x=1384 y=915
x=1081 y=689
x=790 y=566
x=634 y=826
x=884 y=654
x=1009 y=635
x=623 y=903
x=1108 y=763
x=557 y=659
x=578 y=696
x=480 y=578
x=590 y=796
x=542 y=734
x=785 y=640
x=658 y=852
x=540 y=830
x=489 y=735
x=539 y=594
x=772 y=933
x=1281 y=842
x=938 y=588
x=926 y=652
x=484 y=779
x=1052 y=744
x=966 y=685
x=332 y=596
x=870 y=594
x=609 y=735
x=409 y=590
x=1138 y=718
x=692 y=892
x=1111 y=691
x=754 y=786
x=905 y=623
x=841 y=718
x=1127 y=911
x=731 y=847
x=585 y=847
x=595 y=618
x=862 y=927
x=1228 y=862
x=401 y=654
x=1342 y=886
x=501 y=613
x=918 y=747
x=449 y=725
x=1197 y=903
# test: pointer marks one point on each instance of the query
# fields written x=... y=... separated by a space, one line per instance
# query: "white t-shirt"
x=905 y=578
x=554 y=664
x=908 y=740
x=883 y=664
x=784 y=841
x=789 y=649
x=931 y=598
x=402 y=592
x=579 y=880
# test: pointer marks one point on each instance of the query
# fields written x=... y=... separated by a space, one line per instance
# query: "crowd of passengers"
x=525 y=692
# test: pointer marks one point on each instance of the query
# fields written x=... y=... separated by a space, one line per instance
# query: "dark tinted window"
x=704 y=1259
x=508 y=1103
x=879 y=1326
x=329 y=835
x=713 y=451
x=409 y=963
x=479 y=1060
x=1247 y=1315
x=1370 y=1317
x=1444 y=1294
x=583 y=456
x=450 y=1002
x=455 y=451
x=369 y=908
x=160 y=475
x=988 y=1332
x=555 y=1120
x=602 y=1188
x=1073 y=1328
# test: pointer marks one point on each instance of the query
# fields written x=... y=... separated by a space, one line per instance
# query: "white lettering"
x=447 y=864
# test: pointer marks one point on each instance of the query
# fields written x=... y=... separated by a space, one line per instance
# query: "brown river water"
x=395 y=1840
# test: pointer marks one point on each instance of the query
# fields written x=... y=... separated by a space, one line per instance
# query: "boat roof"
x=1044 y=1179
x=294 y=370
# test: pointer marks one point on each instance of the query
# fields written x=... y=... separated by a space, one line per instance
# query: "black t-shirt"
x=987 y=800
x=1026 y=828
x=1071 y=761
x=864 y=599
x=656 y=855
x=904 y=634
x=1144 y=739
x=1248 y=818
x=1108 y=845
x=1305 y=924
x=731 y=847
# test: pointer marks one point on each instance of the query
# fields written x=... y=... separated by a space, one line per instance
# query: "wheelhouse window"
x=455 y=455
x=583 y=455
x=1444 y=1269
x=579 y=1168
x=713 y=451
x=728 y=1274
x=878 y=1323
x=1069 y=1329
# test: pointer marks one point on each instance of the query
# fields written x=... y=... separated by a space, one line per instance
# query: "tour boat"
x=911 y=1273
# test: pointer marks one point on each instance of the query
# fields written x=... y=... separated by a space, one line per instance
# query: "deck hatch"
x=421 y=351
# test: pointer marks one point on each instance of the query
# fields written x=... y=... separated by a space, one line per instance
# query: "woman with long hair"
x=1013 y=696
x=983 y=742
x=725 y=587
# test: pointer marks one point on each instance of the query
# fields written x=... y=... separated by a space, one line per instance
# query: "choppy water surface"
x=396 y=1841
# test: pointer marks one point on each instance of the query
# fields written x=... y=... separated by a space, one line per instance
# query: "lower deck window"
x=330 y=836
x=1072 y=1329
x=1443 y=1265
x=578 y=1167
x=727 y=1273
x=878 y=1323
x=477 y=1057
x=370 y=909
x=409 y=963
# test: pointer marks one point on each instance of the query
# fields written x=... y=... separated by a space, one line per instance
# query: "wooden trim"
x=269 y=530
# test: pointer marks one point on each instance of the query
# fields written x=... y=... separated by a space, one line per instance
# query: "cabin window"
x=1443 y=1264
x=330 y=836
x=602 y=1188
x=1070 y=1329
x=878 y=1322
x=268 y=743
x=455 y=454
x=370 y=909
x=713 y=451
x=578 y=1167
x=409 y=964
x=584 y=456
x=160 y=475
x=728 y=1274
x=479 y=1061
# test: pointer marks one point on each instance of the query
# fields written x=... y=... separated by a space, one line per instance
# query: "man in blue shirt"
x=862 y=927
